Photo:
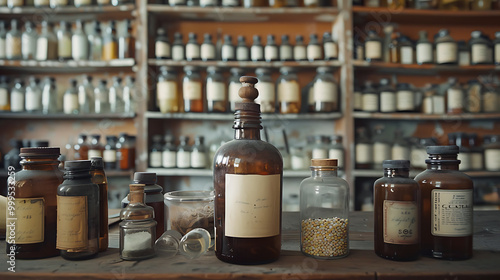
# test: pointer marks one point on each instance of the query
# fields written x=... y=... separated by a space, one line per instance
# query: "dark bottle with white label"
x=299 y=50
x=227 y=50
x=330 y=48
x=387 y=97
x=248 y=184
x=178 y=48
x=446 y=48
x=314 y=49
x=395 y=210
x=446 y=201
x=155 y=153
x=242 y=51
x=286 y=50
x=271 y=51
x=193 y=48
x=424 y=50
x=207 y=51
x=373 y=47
x=162 y=45
x=480 y=49
x=369 y=98
x=257 y=50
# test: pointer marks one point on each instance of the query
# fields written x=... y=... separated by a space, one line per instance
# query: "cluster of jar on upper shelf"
x=372 y=151
x=219 y=96
x=78 y=98
x=61 y=3
x=228 y=51
x=85 y=41
x=474 y=5
x=399 y=48
x=248 y=3
x=480 y=95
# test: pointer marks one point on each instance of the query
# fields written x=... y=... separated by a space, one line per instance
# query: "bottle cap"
x=147 y=178
x=97 y=163
x=396 y=164
x=442 y=150
x=324 y=162
x=39 y=143
x=40 y=151
x=77 y=165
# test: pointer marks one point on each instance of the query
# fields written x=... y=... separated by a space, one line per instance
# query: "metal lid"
x=442 y=150
x=97 y=163
x=77 y=165
x=396 y=164
x=148 y=178
x=40 y=151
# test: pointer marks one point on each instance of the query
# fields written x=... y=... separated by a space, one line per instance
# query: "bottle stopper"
x=248 y=93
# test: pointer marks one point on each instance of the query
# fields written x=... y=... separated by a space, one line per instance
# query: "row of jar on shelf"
x=249 y=3
x=480 y=95
x=370 y=152
x=50 y=97
x=85 y=42
x=226 y=50
x=398 y=48
x=474 y=5
x=61 y=3
x=218 y=95
x=167 y=152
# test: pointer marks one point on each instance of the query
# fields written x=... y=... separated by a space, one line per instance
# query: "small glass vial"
x=86 y=100
x=207 y=49
x=64 y=47
x=110 y=43
x=330 y=47
x=4 y=94
x=242 y=51
x=178 y=48
x=156 y=152
x=325 y=91
x=78 y=212
x=387 y=97
x=446 y=48
x=286 y=50
x=424 y=49
x=46 y=43
x=234 y=87
x=298 y=158
x=363 y=149
x=299 y=50
x=169 y=155
x=480 y=49
x=199 y=156
x=167 y=91
x=324 y=212
x=17 y=96
x=406 y=50
x=162 y=45
x=95 y=148
x=138 y=227
x=271 y=51
x=101 y=98
x=320 y=147
x=79 y=43
x=492 y=153
x=193 y=51
x=125 y=151
x=215 y=91
x=49 y=96
x=394 y=48
x=370 y=98
x=257 y=50
x=336 y=150
x=446 y=201
x=267 y=90
x=70 y=98
x=454 y=97
x=184 y=153
x=227 y=50
x=33 y=96
x=95 y=42
x=192 y=90
x=13 y=42
x=405 y=98
x=289 y=97
x=463 y=53
x=314 y=49
x=396 y=213
x=109 y=153
x=373 y=47
x=28 y=41
x=81 y=148
x=99 y=178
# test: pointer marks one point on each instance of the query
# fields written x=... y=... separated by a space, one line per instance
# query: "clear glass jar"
x=79 y=43
x=473 y=97
x=49 y=96
x=215 y=90
x=267 y=90
x=162 y=45
x=138 y=227
x=336 y=150
x=405 y=98
x=169 y=156
x=28 y=41
x=156 y=152
x=101 y=98
x=490 y=96
x=394 y=48
x=167 y=91
x=70 y=99
x=373 y=47
x=454 y=97
x=325 y=91
x=129 y=95
x=183 y=153
x=299 y=50
x=480 y=49
x=96 y=148
x=320 y=147
x=126 y=42
x=33 y=96
x=207 y=49
x=192 y=90
x=324 y=212
x=446 y=48
x=46 y=43
x=17 y=96
x=400 y=148
x=64 y=47
x=234 y=87
x=86 y=96
x=286 y=50
x=242 y=51
x=3 y=35
x=110 y=43
x=109 y=154
x=289 y=97
x=370 y=98
x=81 y=148
x=13 y=43
x=298 y=158
x=95 y=42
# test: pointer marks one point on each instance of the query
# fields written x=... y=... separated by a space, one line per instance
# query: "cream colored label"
x=406 y=55
x=252 y=205
x=42 y=2
x=424 y=53
x=373 y=50
x=169 y=159
x=30 y=220
x=288 y=91
x=227 y=52
x=72 y=222
x=418 y=157
x=337 y=154
x=192 y=51
x=155 y=159
x=451 y=212
x=358 y=100
x=207 y=52
x=162 y=49
x=446 y=52
x=364 y=153
x=266 y=92
x=57 y=3
x=400 y=222
x=242 y=54
x=13 y=47
x=286 y=52
x=299 y=53
x=438 y=104
x=313 y=52
x=191 y=90
x=271 y=53
x=198 y=159
x=94 y=153
x=166 y=90
x=427 y=105
x=109 y=155
x=492 y=159
x=400 y=152
x=256 y=53
x=455 y=99
x=480 y=53
x=497 y=53
x=319 y=153
x=33 y=100
x=177 y=53
x=64 y=46
x=387 y=101
x=16 y=101
x=70 y=103
x=465 y=161
x=331 y=50
x=490 y=102
x=80 y=48
x=4 y=97
x=370 y=102
x=183 y=159
x=405 y=100
x=381 y=152
x=234 y=88
x=42 y=45
x=216 y=91
x=325 y=91
x=477 y=161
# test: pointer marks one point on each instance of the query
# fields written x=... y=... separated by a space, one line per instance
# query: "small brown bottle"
x=248 y=181
x=396 y=213
x=446 y=200
x=99 y=178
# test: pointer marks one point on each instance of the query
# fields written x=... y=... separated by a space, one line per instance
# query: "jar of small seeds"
x=324 y=212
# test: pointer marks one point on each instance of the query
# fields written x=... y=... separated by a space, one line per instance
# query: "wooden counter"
x=362 y=263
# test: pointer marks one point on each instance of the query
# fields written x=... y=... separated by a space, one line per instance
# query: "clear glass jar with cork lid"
x=324 y=212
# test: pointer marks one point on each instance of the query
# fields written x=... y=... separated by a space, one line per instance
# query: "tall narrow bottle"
x=446 y=198
x=99 y=178
x=248 y=180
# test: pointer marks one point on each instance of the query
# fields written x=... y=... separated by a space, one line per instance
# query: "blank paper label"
x=451 y=212
x=325 y=92
x=373 y=50
x=446 y=52
x=253 y=205
x=166 y=90
x=288 y=92
x=216 y=91
x=162 y=49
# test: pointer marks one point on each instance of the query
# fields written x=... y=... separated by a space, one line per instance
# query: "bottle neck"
x=396 y=172
x=442 y=162
x=324 y=171
x=136 y=197
x=247 y=125
x=247 y=133
x=47 y=163
x=78 y=174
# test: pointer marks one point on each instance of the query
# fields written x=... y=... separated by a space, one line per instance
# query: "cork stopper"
x=136 y=193
x=324 y=162
x=248 y=93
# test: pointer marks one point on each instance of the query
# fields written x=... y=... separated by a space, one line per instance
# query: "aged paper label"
x=30 y=223
x=72 y=222
x=400 y=222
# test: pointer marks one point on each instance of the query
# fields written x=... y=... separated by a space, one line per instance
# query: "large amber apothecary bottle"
x=248 y=180
x=34 y=190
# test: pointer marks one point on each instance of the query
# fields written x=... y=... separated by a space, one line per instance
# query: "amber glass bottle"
x=446 y=199
x=99 y=178
x=34 y=190
x=248 y=180
x=395 y=204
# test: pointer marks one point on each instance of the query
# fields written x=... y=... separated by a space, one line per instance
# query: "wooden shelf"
x=69 y=66
x=61 y=116
x=241 y=14
x=424 y=69
x=230 y=116
x=421 y=117
x=379 y=173
x=246 y=64
x=84 y=13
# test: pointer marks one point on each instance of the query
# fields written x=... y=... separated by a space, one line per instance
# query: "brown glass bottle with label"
x=99 y=178
x=248 y=181
x=34 y=192
x=395 y=209
x=446 y=200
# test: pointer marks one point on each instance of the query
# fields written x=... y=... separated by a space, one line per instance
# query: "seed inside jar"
x=327 y=238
